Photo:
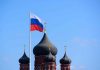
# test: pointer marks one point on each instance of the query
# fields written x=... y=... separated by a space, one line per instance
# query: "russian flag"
x=36 y=23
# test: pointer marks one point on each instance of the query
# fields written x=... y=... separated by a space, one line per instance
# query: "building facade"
x=45 y=57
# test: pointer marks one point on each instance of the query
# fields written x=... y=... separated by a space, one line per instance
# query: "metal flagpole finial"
x=45 y=27
x=30 y=14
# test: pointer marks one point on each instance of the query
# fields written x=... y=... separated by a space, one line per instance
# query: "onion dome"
x=42 y=48
x=65 y=59
x=50 y=58
x=24 y=59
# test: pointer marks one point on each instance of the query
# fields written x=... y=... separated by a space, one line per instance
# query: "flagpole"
x=29 y=44
x=30 y=48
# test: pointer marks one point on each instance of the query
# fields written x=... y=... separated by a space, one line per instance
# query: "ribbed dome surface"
x=65 y=59
x=24 y=59
x=42 y=48
x=50 y=58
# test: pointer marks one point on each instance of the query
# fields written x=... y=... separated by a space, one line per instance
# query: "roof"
x=24 y=59
x=65 y=59
x=42 y=48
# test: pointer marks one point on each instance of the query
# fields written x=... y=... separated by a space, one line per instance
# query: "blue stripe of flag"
x=37 y=22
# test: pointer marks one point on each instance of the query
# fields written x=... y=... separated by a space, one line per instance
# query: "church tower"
x=45 y=55
x=24 y=62
x=50 y=62
x=65 y=62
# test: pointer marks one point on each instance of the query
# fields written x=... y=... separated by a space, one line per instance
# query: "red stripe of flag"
x=35 y=27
